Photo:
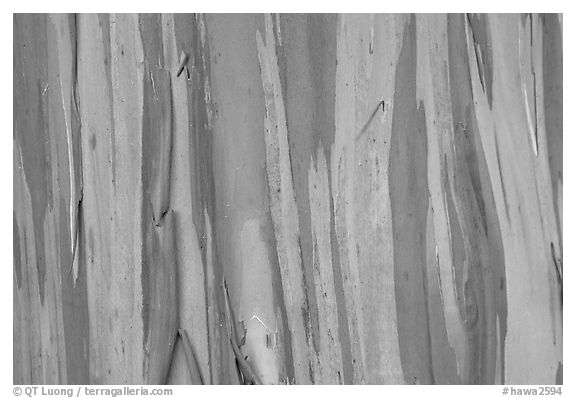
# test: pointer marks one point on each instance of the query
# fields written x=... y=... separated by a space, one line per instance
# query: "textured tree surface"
x=328 y=199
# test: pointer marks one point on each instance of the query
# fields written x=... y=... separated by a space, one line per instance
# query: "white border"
x=292 y=6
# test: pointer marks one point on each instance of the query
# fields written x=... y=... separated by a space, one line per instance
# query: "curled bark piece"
x=248 y=375
x=245 y=369
x=183 y=61
x=231 y=325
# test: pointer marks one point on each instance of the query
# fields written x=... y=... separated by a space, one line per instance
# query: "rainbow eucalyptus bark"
x=287 y=199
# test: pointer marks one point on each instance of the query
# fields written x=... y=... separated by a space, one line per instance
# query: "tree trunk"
x=309 y=199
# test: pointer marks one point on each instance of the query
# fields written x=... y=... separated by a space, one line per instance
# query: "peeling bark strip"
x=480 y=269
x=65 y=27
x=190 y=36
x=409 y=206
x=163 y=305
x=349 y=279
x=160 y=116
x=283 y=209
x=330 y=352
x=325 y=199
x=553 y=110
x=526 y=49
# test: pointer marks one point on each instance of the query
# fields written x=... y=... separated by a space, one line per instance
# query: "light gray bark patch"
x=104 y=21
